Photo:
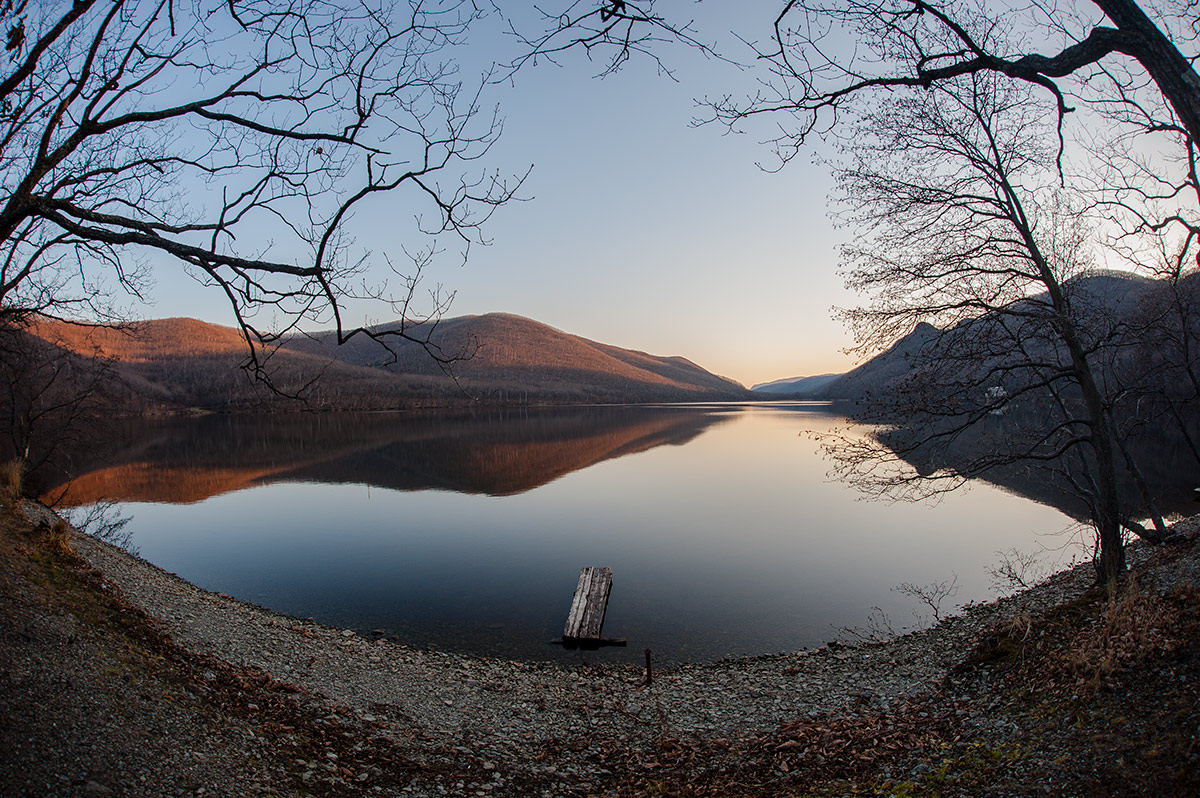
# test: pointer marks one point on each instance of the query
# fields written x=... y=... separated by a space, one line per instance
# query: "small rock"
x=347 y=633
x=95 y=788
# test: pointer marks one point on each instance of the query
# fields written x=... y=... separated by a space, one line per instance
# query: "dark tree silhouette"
x=963 y=226
x=965 y=203
x=1130 y=80
x=236 y=139
x=51 y=401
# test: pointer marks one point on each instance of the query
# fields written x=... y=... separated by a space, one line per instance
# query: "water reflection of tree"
x=1162 y=451
x=966 y=227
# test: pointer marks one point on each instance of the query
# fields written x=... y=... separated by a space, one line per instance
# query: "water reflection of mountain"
x=492 y=452
x=1167 y=462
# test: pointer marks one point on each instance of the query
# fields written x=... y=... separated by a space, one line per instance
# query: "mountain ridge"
x=495 y=357
x=1107 y=294
x=798 y=386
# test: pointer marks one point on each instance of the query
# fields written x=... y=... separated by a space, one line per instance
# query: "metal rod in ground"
x=649 y=673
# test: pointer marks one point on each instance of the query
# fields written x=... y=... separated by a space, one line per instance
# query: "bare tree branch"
x=237 y=138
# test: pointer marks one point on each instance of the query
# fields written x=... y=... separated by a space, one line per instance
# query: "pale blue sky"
x=641 y=231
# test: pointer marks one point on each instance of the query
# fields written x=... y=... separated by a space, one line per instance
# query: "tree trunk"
x=1108 y=506
x=1169 y=68
x=1107 y=509
x=1160 y=528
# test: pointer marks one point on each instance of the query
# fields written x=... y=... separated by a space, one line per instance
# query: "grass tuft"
x=57 y=539
x=1134 y=625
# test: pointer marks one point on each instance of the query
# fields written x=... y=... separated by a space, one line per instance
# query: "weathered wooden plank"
x=586 y=616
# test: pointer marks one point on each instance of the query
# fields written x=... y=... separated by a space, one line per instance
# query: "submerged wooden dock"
x=585 y=619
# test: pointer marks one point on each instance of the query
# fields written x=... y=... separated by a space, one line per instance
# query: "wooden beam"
x=586 y=617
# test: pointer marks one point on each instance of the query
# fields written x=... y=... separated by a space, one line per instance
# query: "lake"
x=466 y=532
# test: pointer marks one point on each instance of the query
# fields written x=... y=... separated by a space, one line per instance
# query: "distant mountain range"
x=508 y=352
x=170 y=364
x=1143 y=335
x=173 y=364
x=798 y=386
x=1115 y=296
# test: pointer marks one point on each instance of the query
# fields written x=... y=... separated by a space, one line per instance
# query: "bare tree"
x=964 y=224
x=1168 y=349
x=824 y=55
x=51 y=399
x=1130 y=78
x=967 y=204
x=931 y=595
x=237 y=139
x=616 y=30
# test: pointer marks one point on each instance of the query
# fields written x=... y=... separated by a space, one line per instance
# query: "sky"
x=639 y=229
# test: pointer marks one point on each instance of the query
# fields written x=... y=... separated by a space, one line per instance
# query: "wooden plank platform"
x=586 y=616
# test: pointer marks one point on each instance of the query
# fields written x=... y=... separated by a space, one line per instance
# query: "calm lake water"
x=467 y=533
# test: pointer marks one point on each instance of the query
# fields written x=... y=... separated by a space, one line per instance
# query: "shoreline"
x=547 y=727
